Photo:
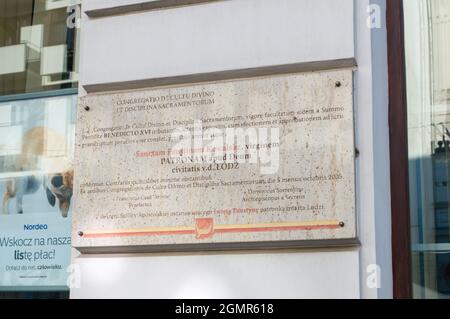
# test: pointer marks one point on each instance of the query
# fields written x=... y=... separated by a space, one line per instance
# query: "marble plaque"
x=242 y=163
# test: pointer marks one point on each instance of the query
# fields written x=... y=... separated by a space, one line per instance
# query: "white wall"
x=218 y=36
x=243 y=275
x=101 y=4
x=231 y=35
x=372 y=140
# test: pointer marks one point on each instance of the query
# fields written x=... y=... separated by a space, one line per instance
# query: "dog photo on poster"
x=36 y=187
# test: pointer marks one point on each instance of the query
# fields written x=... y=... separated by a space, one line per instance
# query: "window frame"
x=398 y=137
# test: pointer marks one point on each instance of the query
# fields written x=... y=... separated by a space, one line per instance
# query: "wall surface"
x=237 y=34
x=216 y=36
x=243 y=275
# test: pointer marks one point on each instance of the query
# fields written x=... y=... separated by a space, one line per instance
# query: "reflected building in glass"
x=427 y=30
x=38 y=45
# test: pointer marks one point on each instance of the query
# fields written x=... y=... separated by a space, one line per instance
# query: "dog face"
x=59 y=187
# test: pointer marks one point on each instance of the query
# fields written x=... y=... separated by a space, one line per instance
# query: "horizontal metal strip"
x=38 y=95
x=332 y=245
x=222 y=75
x=145 y=6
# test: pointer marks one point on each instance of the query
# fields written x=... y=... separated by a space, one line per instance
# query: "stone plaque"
x=258 y=162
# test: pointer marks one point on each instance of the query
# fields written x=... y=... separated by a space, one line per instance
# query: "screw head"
x=341 y=224
x=87 y=108
x=338 y=84
x=80 y=233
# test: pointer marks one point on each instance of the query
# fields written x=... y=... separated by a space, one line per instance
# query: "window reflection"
x=427 y=35
x=38 y=45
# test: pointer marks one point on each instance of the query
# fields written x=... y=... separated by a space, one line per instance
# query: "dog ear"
x=64 y=206
x=51 y=198
x=68 y=178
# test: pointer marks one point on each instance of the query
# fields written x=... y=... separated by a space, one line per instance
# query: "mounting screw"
x=342 y=224
x=338 y=84
x=87 y=108
x=80 y=233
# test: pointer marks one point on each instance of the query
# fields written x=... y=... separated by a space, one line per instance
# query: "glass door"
x=427 y=45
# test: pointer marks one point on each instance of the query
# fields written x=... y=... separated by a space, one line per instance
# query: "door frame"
x=398 y=137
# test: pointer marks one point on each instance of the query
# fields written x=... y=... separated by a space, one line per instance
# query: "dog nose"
x=57 y=181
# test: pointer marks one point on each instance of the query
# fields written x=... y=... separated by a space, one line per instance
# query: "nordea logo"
x=35 y=227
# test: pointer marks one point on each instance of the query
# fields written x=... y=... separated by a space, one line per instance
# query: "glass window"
x=427 y=35
x=36 y=187
x=38 y=45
